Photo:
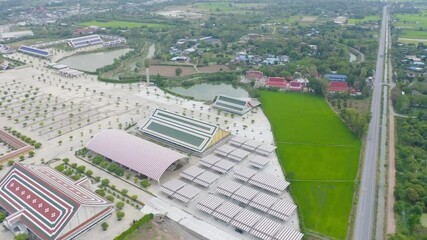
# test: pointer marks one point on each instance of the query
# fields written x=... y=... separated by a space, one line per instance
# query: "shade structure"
x=223 y=166
x=209 y=203
x=265 y=149
x=187 y=193
x=263 y=201
x=226 y=211
x=206 y=179
x=209 y=160
x=266 y=228
x=282 y=209
x=269 y=182
x=238 y=141
x=288 y=234
x=224 y=150
x=140 y=155
x=245 y=220
x=259 y=162
x=238 y=155
x=251 y=145
x=192 y=172
x=228 y=188
x=172 y=186
x=244 y=194
x=245 y=173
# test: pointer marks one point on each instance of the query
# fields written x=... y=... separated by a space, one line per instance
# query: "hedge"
x=135 y=226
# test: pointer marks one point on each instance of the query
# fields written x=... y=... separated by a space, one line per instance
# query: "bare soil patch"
x=213 y=68
x=169 y=71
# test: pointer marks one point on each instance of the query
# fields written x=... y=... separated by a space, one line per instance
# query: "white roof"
x=266 y=228
x=259 y=162
x=206 y=179
x=282 y=209
x=223 y=166
x=133 y=152
x=228 y=188
x=238 y=155
x=192 y=172
x=251 y=145
x=288 y=234
x=172 y=186
x=245 y=220
x=244 y=194
x=226 y=211
x=237 y=140
x=210 y=160
x=186 y=193
x=244 y=173
x=265 y=149
x=263 y=201
x=269 y=182
x=224 y=150
x=210 y=203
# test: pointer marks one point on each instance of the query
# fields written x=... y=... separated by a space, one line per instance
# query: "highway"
x=365 y=220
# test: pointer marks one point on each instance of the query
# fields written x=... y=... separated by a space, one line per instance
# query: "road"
x=365 y=221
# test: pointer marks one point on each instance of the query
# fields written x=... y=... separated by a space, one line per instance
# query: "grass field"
x=414 y=34
x=320 y=157
x=363 y=20
x=226 y=6
x=411 y=21
x=118 y=24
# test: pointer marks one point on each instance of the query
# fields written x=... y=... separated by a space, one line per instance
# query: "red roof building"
x=335 y=87
x=48 y=204
x=277 y=82
x=254 y=74
x=295 y=86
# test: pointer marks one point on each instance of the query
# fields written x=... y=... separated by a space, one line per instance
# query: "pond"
x=207 y=91
x=91 y=61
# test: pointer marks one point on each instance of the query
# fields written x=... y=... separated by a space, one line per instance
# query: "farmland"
x=319 y=155
x=124 y=24
x=366 y=19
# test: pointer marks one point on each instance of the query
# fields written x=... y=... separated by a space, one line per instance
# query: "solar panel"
x=223 y=166
x=244 y=173
x=244 y=194
x=210 y=160
x=186 y=193
x=210 y=203
x=238 y=155
x=224 y=150
x=237 y=141
x=226 y=211
x=282 y=209
x=33 y=51
x=251 y=145
x=228 y=188
x=265 y=149
x=172 y=186
x=288 y=234
x=269 y=182
x=259 y=162
x=263 y=201
x=206 y=179
x=245 y=220
x=266 y=228
x=192 y=172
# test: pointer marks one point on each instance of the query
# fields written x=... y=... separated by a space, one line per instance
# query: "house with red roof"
x=43 y=202
x=277 y=82
x=251 y=74
x=295 y=86
x=336 y=87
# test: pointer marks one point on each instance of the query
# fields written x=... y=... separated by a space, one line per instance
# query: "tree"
x=145 y=183
x=66 y=160
x=110 y=198
x=21 y=158
x=134 y=197
x=10 y=163
x=178 y=71
x=22 y=236
x=31 y=153
x=124 y=191
x=105 y=182
x=60 y=168
x=319 y=86
x=104 y=226
x=2 y=217
x=120 y=215
x=89 y=173
x=120 y=205
x=81 y=169
x=37 y=145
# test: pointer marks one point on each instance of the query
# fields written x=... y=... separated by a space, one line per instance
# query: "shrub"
x=104 y=226
x=120 y=215
x=66 y=160
x=134 y=227
x=31 y=153
x=68 y=172
x=21 y=158
x=110 y=198
x=60 y=168
x=75 y=177
x=2 y=217
x=97 y=160
x=124 y=191
x=74 y=165
x=89 y=173
x=145 y=183
x=10 y=163
x=81 y=169
x=105 y=182
x=97 y=178
x=120 y=205
x=134 y=197
x=100 y=192
x=37 y=145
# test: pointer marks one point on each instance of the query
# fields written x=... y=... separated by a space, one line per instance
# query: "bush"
x=100 y=192
x=66 y=160
x=21 y=158
x=97 y=178
x=97 y=160
x=105 y=182
x=60 y=168
x=124 y=191
x=104 y=226
x=134 y=227
x=81 y=169
x=2 y=217
x=120 y=205
x=89 y=173
x=75 y=177
x=145 y=183
x=68 y=172
x=134 y=197
x=74 y=165
x=10 y=163
x=120 y=215
x=37 y=145
x=110 y=198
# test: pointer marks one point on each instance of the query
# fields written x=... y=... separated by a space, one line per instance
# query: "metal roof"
x=269 y=182
x=282 y=209
x=265 y=149
x=172 y=186
x=206 y=179
x=251 y=145
x=209 y=160
x=238 y=140
x=192 y=172
x=210 y=203
x=223 y=166
x=259 y=162
x=226 y=211
x=138 y=154
x=266 y=228
x=244 y=173
x=228 y=188
x=245 y=220
x=238 y=155
x=244 y=194
x=186 y=193
x=288 y=234
x=263 y=201
x=180 y=130
x=224 y=150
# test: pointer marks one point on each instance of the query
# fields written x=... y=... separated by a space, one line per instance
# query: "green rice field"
x=320 y=157
x=123 y=24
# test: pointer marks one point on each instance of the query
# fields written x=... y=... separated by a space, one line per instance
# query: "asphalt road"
x=365 y=222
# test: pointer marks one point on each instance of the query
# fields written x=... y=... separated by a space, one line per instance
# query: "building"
x=336 y=87
x=137 y=154
x=336 y=77
x=182 y=132
x=46 y=204
x=295 y=86
x=14 y=35
x=85 y=41
x=235 y=105
x=277 y=82
x=256 y=75
x=34 y=51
